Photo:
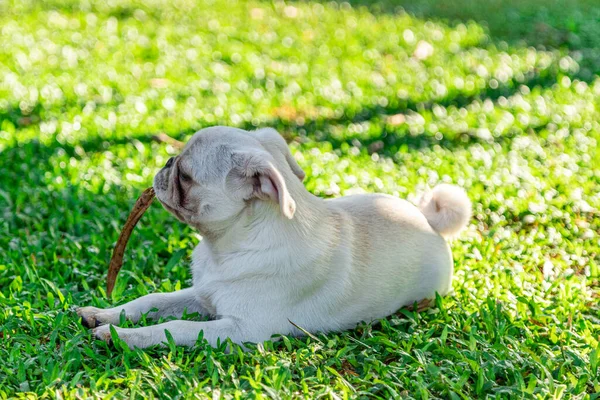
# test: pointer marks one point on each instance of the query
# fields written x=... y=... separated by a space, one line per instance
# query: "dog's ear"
x=273 y=142
x=258 y=177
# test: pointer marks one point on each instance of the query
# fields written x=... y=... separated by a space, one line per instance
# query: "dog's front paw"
x=132 y=337
x=92 y=317
x=103 y=333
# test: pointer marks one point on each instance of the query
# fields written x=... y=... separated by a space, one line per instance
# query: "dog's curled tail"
x=447 y=209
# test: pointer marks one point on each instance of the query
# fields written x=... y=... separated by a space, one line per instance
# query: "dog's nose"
x=170 y=162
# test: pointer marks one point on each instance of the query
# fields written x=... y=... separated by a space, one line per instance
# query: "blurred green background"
x=500 y=97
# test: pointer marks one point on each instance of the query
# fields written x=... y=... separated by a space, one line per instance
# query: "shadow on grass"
x=69 y=229
x=548 y=23
x=571 y=25
x=21 y=118
x=42 y=187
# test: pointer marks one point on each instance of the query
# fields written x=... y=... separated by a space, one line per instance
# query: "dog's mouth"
x=161 y=188
x=172 y=210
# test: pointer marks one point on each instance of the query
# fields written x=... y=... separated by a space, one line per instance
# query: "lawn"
x=500 y=97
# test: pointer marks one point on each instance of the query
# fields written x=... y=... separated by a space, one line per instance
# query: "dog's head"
x=222 y=170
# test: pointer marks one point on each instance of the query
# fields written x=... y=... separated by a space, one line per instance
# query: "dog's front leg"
x=166 y=305
x=184 y=333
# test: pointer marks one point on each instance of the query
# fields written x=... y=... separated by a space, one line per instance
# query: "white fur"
x=447 y=208
x=324 y=265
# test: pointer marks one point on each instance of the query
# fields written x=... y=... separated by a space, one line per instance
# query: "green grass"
x=507 y=106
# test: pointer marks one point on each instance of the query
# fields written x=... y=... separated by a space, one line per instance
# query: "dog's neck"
x=261 y=226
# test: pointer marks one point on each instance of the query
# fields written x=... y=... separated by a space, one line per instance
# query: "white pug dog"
x=274 y=257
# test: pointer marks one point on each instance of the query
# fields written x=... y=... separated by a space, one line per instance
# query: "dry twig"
x=164 y=138
x=116 y=261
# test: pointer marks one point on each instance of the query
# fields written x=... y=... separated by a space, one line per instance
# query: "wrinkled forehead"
x=208 y=153
x=215 y=136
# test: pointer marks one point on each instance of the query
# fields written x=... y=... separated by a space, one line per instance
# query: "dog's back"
x=397 y=257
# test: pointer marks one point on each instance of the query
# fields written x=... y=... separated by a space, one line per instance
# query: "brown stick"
x=164 y=138
x=116 y=261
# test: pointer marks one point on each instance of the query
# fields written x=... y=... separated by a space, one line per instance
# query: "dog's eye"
x=184 y=177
